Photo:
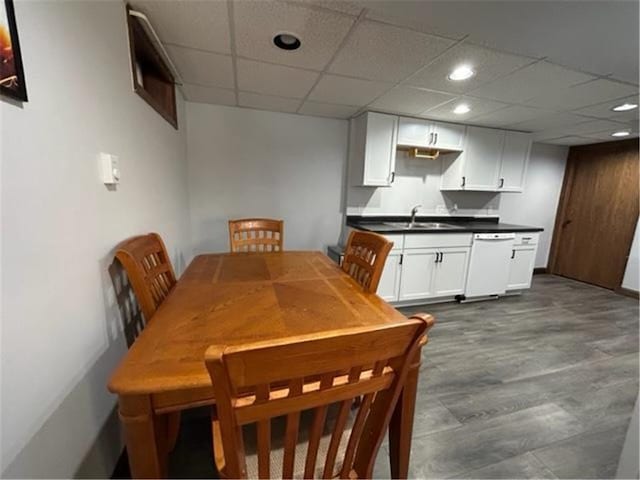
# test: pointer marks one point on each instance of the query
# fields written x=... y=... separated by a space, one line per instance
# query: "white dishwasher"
x=489 y=264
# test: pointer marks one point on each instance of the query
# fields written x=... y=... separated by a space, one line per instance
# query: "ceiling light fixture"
x=621 y=133
x=461 y=73
x=625 y=107
x=287 y=41
x=462 y=109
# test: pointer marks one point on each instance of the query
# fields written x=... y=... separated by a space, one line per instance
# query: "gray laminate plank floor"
x=540 y=385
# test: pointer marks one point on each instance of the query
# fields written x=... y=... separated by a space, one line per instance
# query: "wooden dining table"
x=230 y=299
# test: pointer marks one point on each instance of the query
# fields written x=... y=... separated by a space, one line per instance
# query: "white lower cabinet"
x=450 y=273
x=523 y=260
x=417 y=274
x=389 y=286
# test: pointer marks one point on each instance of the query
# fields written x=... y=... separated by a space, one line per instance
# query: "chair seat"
x=278 y=428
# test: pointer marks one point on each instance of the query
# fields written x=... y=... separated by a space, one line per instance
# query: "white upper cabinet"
x=482 y=155
x=492 y=160
x=413 y=132
x=515 y=157
x=449 y=136
x=373 y=148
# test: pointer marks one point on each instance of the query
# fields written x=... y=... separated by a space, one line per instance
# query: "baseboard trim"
x=627 y=292
x=539 y=270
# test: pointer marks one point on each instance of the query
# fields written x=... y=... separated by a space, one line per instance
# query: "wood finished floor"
x=540 y=385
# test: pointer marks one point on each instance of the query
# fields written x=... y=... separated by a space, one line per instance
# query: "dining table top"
x=235 y=298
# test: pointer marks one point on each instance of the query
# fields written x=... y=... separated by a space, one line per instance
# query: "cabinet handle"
x=393 y=177
x=441 y=255
x=437 y=256
x=513 y=254
x=401 y=258
x=436 y=138
x=430 y=138
x=464 y=181
x=501 y=183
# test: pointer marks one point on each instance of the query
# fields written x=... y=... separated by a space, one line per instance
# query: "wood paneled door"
x=597 y=213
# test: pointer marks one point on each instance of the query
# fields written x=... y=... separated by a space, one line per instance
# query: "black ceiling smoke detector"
x=286 y=41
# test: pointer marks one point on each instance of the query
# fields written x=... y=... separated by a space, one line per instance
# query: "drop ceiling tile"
x=271 y=79
x=580 y=129
x=347 y=91
x=603 y=110
x=606 y=134
x=268 y=102
x=202 y=68
x=376 y=51
x=478 y=106
x=196 y=24
x=542 y=78
x=589 y=93
x=488 y=65
x=327 y=110
x=320 y=31
x=414 y=23
x=410 y=100
x=570 y=140
x=550 y=121
x=215 y=95
x=509 y=115
x=343 y=6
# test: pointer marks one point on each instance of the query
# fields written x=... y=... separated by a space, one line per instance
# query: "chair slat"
x=320 y=416
x=291 y=435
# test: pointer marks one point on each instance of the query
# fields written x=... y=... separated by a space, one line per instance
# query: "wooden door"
x=597 y=213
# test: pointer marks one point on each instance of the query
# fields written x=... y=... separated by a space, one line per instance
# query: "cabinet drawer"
x=437 y=240
x=397 y=239
x=526 y=238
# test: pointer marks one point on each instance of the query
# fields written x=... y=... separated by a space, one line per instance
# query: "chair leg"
x=173 y=429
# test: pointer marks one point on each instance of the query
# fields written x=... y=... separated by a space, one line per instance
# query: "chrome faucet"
x=414 y=210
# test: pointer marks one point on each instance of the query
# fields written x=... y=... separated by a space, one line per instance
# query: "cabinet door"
x=515 y=156
x=521 y=268
x=417 y=274
x=449 y=135
x=451 y=271
x=482 y=156
x=388 y=288
x=413 y=132
x=380 y=149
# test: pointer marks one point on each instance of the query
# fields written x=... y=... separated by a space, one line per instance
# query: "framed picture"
x=12 y=81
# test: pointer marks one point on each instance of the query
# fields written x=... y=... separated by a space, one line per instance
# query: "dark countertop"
x=462 y=224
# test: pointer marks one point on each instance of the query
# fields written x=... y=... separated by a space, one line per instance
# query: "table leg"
x=146 y=436
x=401 y=426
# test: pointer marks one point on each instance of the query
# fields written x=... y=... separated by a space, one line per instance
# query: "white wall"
x=631 y=278
x=61 y=334
x=538 y=204
x=250 y=163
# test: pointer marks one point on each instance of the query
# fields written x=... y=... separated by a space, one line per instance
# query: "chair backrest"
x=256 y=235
x=364 y=258
x=149 y=270
x=258 y=382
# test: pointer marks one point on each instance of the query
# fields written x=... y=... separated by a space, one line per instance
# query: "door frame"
x=565 y=195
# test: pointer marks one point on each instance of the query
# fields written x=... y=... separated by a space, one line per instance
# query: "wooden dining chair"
x=321 y=375
x=364 y=258
x=151 y=275
x=149 y=269
x=256 y=235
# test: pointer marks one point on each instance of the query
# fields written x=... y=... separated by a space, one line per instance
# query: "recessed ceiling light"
x=621 y=133
x=624 y=107
x=462 y=109
x=461 y=73
x=287 y=41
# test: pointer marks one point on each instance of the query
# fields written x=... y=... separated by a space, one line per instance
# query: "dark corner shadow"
x=130 y=313
x=12 y=101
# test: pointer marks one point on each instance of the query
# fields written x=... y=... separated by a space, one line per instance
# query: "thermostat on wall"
x=110 y=169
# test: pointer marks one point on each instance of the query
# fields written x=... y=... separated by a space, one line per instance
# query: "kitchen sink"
x=423 y=225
